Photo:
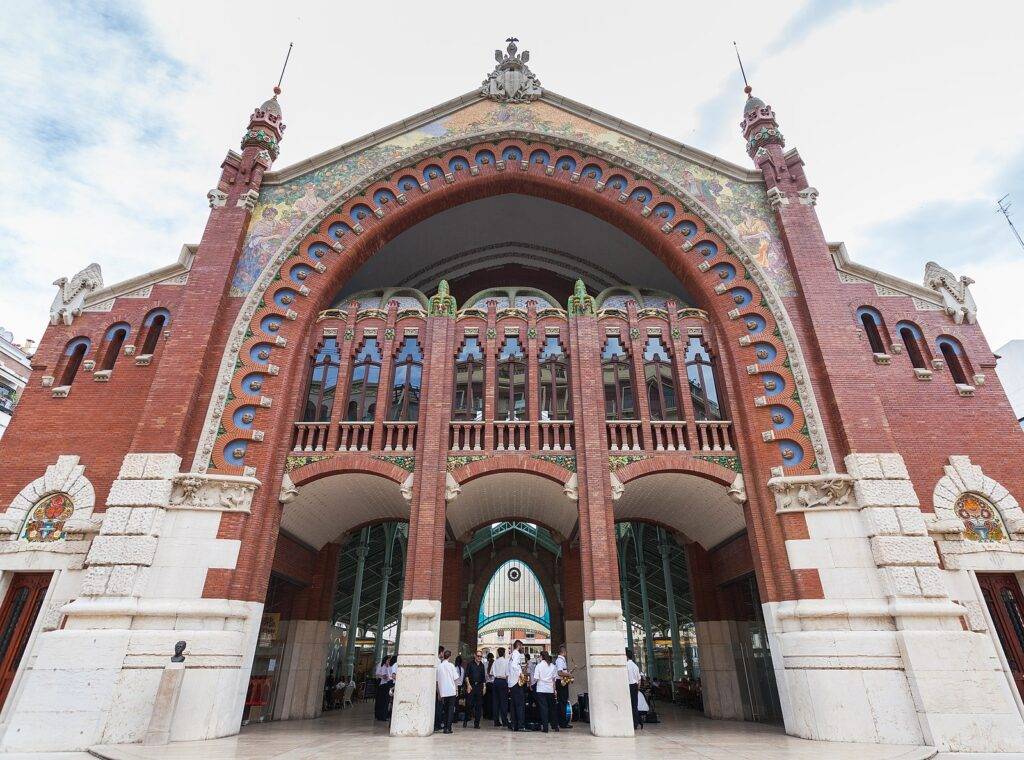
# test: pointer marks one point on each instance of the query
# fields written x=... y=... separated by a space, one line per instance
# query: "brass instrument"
x=568 y=678
x=524 y=679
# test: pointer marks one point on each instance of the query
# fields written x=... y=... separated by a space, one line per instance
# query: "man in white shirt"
x=544 y=675
x=447 y=688
x=562 y=691
x=633 y=679
x=500 y=672
x=516 y=663
x=380 y=697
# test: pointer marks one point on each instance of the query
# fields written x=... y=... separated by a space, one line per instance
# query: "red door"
x=1006 y=606
x=17 y=618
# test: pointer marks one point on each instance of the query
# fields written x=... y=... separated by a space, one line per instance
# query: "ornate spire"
x=759 y=126
x=442 y=304
x=266 y=127
x=580 y=302
x=511 y=81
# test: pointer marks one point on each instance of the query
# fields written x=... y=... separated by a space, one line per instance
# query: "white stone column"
x=142 y=590
x=576 y=651
x=611 y=713
x=416 y=682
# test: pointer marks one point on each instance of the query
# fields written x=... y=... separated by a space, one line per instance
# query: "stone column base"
x=611 y=713
x=416 y=682
x=576 y=652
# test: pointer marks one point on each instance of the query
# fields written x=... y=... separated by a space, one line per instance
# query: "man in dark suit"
x=476 y=678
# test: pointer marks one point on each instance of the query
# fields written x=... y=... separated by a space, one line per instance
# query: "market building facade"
x=513 y=309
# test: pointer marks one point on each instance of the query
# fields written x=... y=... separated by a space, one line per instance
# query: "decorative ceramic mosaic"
x=456 y=462
x=295 y=462
x=617 y=462
x=729 y=462
x=407 y=463
x=283 y=208
x=565 y=461
x=982 y=521
x=47 y=517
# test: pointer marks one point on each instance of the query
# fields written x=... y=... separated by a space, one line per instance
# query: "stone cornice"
x=843 y=263
x=153 y=277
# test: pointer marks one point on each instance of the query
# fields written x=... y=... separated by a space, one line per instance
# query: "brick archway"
x=512 y=463
x=676 y=463
x=315 y=262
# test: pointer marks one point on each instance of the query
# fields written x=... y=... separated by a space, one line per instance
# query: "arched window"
x=871 y=321
x=323 y=382
x=405 y=387
x=953 y=353
x=554 y=381
x=511 y=380
x=154 y=325
x=700 y=373
x=362 y=390
x=660 y=381
x=618 y=381
x=114 y=339
x=911 y=336
x=469 y=381
x=73 y=356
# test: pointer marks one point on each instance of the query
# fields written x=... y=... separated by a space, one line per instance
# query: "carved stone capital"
x=738 y=490
x=804 y=493
x=217 y=198
x=214 y=493
x=288 y=490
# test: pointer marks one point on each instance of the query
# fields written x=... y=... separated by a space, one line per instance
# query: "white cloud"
x=122 y=115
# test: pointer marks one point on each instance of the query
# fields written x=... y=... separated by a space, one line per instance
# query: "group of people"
x=509 y=682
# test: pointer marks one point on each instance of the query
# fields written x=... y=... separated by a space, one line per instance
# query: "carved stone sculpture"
x=511 y=81
x=71 y=294
x=956 y=295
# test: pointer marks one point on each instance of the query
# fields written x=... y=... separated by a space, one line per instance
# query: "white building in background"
x=14 y=371
x=1011 y=374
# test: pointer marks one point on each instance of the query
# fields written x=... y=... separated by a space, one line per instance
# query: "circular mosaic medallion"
x=514 y=574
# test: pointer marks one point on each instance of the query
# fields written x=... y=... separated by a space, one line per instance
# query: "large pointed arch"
x=697 y=246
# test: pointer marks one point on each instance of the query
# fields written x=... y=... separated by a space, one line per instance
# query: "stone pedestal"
x=142 y=591
x=611 y=713
x=166 y=702
x=416 y=683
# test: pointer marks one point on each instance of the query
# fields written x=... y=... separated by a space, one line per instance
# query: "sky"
x=906 y=113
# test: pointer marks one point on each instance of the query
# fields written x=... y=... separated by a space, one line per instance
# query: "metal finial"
x=746 y=85
x=277 y=90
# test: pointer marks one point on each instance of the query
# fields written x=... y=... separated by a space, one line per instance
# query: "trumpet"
x=568 y=677
x=524 y=679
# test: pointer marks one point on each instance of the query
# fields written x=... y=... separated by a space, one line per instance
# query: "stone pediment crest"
x=511 y=81
x=71 y=294
x=957 y=300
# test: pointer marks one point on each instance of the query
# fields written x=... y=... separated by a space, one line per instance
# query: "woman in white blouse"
x=544 y=676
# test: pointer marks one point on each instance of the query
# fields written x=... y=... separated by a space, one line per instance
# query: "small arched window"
x=660 y=381
x=511 y=380
x=913 y=341
x=953 y=354
x=700 y=373
x=469 y=381
x=153 y=326
x=323 y=382
x=554 y=381
x=114 y=340
x=618 y=381
x=74 y=353
x=362 y=390
x=405 y=387
x=871 y=321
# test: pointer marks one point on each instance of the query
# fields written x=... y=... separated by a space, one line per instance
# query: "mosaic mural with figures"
x=283 y=208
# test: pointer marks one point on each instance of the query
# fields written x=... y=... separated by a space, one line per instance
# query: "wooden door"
x=17 y=618
x=1006 y=606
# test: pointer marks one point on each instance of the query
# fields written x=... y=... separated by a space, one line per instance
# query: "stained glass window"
x=46 y=519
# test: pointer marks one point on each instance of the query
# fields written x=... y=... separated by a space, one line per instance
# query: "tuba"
x=568 y=678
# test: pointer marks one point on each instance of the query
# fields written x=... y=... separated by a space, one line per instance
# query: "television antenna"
x=1004 y=208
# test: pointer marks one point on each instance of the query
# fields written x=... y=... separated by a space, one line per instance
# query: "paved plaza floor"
x=353 y=733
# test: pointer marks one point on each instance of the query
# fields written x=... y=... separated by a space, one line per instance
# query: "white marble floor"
x=354 y=733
